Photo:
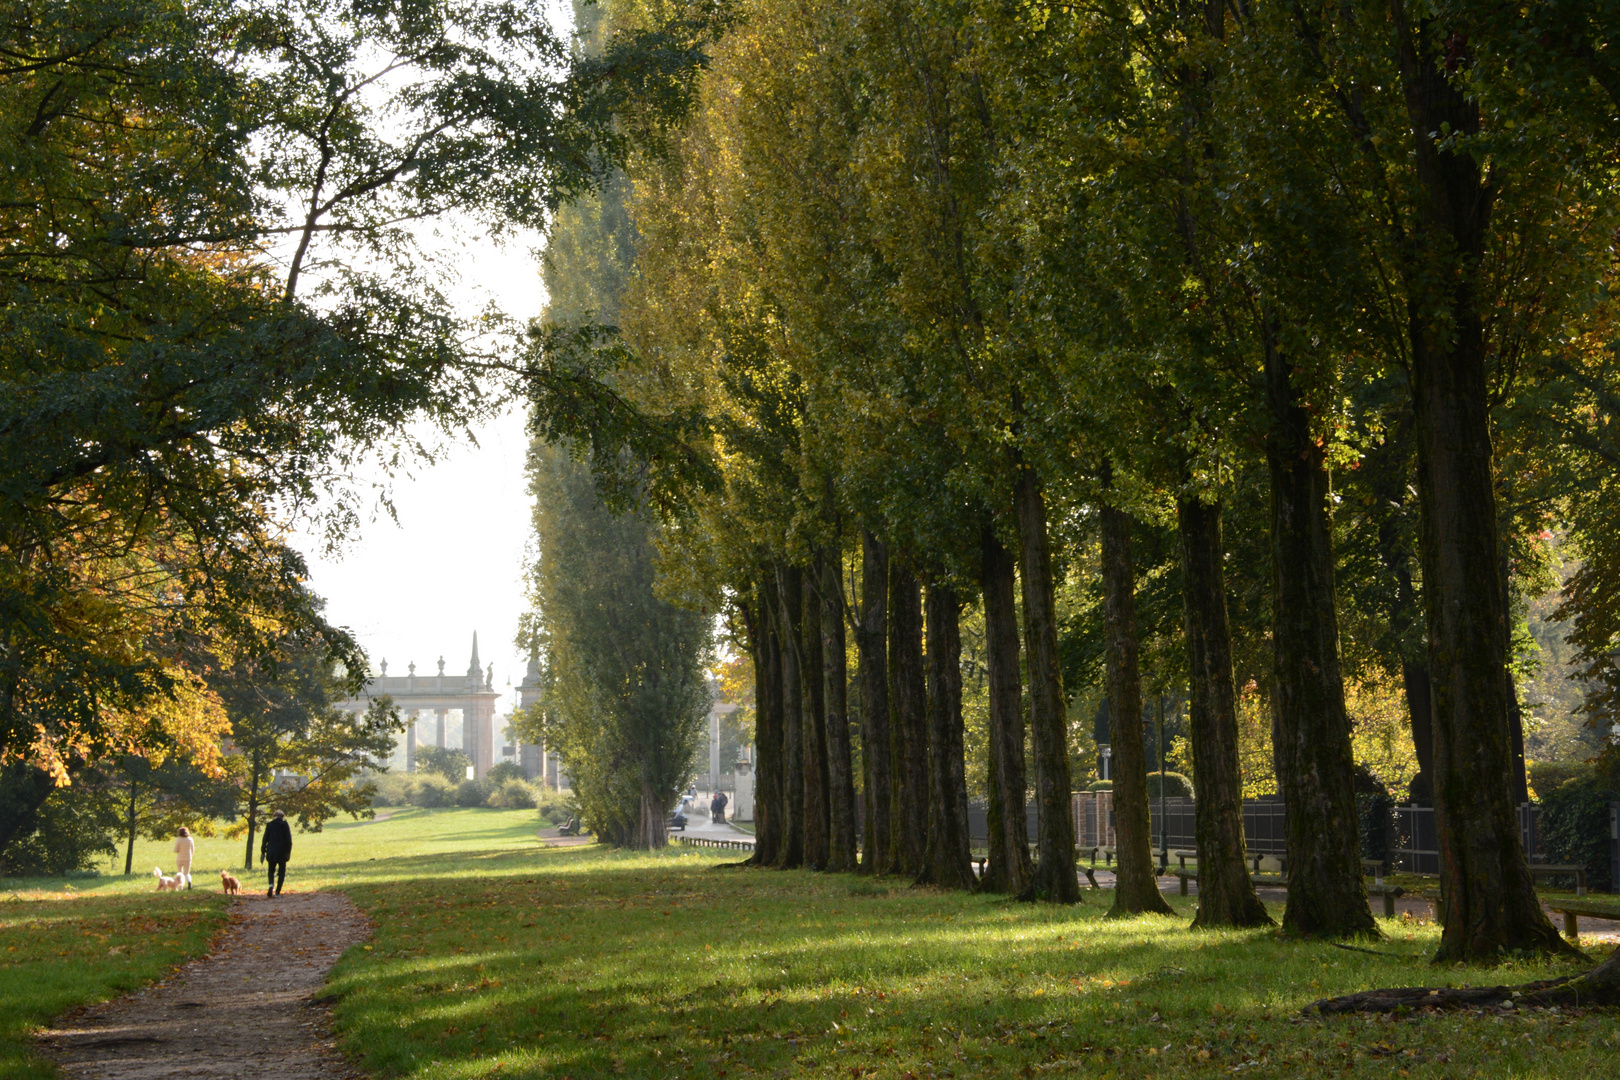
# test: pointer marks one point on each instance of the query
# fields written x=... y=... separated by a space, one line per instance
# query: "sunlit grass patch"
x=494 y=957
x=583 y=962
x=69 y=950
x=70 y=941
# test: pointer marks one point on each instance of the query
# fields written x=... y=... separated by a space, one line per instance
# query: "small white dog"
x=168 y=884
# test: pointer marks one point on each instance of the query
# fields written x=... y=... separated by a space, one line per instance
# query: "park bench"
x=1185 y=874
x=1572 y=870
x=716 y=842
x=981 y=861
x=1389 y=893
x=1572 y=911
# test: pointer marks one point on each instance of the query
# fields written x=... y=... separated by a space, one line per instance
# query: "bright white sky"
x=454 y=563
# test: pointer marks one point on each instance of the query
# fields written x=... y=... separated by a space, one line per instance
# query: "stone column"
x=477 y=732
x=439 y=713
x=714 y=752
x=533 y=761
x=410 y=743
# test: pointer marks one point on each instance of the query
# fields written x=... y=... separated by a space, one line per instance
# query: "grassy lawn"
x=494 y=957
x=65 y=948
x=68 y=942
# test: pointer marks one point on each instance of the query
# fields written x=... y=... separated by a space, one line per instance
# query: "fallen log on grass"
x=1597 y=988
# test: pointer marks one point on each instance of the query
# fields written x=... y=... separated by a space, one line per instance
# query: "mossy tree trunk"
x=1226 y=896
x=1491 y=906
x=817 y=816
x=948 y=863
x=1137 y=890
x=760 y=621
x=1009 y=868
x=1056 y=878
x=871 y=637
x=1327 y=896
x=835 y=691
x=789 y=605
x=908 y=735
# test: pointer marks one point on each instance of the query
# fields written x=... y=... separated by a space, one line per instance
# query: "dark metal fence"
x=1417 y=843
x=1265 y=826
x=1614 y=846
x=1178 y=830
x=979 y=824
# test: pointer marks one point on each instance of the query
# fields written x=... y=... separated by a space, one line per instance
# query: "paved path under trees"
x=251 y=1006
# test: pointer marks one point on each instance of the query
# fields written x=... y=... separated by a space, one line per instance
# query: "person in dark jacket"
x=274 y=851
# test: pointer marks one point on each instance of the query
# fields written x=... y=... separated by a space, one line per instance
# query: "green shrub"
x=506 y=770
x=450 y=764
x=1547 y=776
x=1176 y=786
x=473 y=792
x=393 y=789
x=555 y=807
x=431 y=791
x=511 y=795
x=1574 y=826
x=1100 y=785
x=73 y=830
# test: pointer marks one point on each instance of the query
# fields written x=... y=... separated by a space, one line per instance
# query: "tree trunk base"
x=1158 y=905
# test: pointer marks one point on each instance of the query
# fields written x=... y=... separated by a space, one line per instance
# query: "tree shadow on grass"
x=583 y=963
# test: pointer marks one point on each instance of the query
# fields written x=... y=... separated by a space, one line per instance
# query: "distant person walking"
x=184 y=845
x=717 y=809
x=275 y=849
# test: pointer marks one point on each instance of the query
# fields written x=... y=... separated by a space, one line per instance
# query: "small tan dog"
x=168 y=884
x=229 y=884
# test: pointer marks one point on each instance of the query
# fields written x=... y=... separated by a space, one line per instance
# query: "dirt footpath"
x=248 y=1007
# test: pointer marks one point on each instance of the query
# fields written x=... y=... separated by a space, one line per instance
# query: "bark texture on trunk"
x=1137 y=890
x=1009 y=868
x=908 y=726
x=652 y=821
x=1056 y=878
x=817 y=816
x=760 y=621
x=789 y=612
x=1518 y=773
x=949 y=860
x=1491 y=904
x=1327 y=896
x=871 y=642
x=835 y=693
x=1420 y=708
x=1226 y=896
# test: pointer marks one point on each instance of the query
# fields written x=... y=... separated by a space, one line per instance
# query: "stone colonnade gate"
x=473 y=693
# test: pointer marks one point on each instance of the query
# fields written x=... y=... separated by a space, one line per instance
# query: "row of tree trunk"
x=910 y=708
x=913 y=778
x=914 y=784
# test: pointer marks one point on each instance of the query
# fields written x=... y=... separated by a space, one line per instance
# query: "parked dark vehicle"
x=677 y=820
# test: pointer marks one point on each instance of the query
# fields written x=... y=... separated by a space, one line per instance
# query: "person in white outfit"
x=184 y=845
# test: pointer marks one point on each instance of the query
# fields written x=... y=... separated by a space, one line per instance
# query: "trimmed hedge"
x=1176 y=786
